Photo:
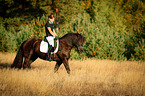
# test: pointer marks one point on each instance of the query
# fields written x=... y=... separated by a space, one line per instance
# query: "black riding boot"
x=48 y=54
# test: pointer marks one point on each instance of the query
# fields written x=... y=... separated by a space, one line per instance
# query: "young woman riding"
x=50 y=35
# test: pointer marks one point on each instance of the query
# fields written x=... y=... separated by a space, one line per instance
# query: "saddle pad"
x=43 y=47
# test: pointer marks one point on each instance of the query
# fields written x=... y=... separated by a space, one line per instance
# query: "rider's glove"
x=56 y=37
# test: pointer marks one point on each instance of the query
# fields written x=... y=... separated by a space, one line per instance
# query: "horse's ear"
x=79 y=33
x=82 y=36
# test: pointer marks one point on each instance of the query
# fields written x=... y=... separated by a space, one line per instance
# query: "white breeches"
x=50 y=39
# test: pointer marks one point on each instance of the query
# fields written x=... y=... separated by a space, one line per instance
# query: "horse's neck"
x=67 y=41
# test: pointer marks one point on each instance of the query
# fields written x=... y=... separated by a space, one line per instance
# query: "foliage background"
x=114 y=29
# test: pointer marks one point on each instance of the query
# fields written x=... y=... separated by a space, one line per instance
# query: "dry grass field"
x=88 y=77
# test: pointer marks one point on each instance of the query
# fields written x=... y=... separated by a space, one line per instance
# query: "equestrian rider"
x=50 y=34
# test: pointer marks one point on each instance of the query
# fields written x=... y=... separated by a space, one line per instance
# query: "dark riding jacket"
x=48 y=24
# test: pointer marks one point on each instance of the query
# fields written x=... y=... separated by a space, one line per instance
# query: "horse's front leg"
x=65 y=62
x=57 y=66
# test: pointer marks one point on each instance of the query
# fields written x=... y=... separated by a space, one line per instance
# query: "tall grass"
x=88 y=77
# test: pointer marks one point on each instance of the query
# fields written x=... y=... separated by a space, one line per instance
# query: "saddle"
x=44 y=46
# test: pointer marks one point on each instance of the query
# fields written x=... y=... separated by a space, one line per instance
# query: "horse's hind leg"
x=29 y=60
x=26 y=63
x=32 y=59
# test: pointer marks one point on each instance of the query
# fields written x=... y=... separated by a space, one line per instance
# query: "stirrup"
x=47 y=57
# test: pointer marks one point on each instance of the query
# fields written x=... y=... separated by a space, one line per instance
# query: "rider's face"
x=51 y=20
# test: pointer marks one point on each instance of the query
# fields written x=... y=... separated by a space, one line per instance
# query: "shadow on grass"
x=5 y=65
x=8 y=66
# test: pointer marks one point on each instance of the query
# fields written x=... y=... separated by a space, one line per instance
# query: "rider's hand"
x=56 y=37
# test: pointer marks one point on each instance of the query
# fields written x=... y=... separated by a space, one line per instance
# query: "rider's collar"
x=50 y=22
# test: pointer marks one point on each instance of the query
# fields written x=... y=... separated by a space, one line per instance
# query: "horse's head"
x=79 y=43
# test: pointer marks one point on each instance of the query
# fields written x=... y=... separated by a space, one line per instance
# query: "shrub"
x=8 y=40
x=3 y=39
x=140 y=50
x=22 y=35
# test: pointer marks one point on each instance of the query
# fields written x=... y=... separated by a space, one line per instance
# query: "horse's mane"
x=70 y=34
x=69 y=37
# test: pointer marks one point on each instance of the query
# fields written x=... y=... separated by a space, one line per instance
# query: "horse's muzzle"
x=81 y=49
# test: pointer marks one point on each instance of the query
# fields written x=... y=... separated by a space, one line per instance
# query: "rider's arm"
x=52 y=33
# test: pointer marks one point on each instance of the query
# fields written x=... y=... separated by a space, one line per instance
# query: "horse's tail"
x=18 y=59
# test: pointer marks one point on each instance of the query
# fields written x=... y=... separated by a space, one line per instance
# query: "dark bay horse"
x=29 y=51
